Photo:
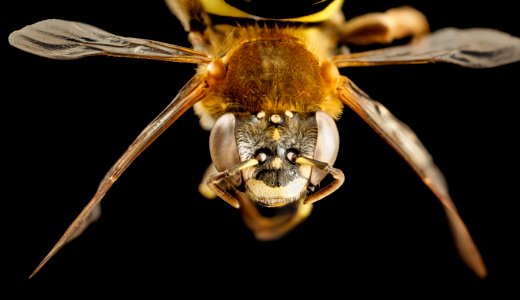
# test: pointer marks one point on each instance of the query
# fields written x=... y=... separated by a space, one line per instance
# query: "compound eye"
x=327 y=144
x=222 y=143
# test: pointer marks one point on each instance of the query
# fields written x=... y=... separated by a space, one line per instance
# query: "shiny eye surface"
x=222 y=143
x=327 y=145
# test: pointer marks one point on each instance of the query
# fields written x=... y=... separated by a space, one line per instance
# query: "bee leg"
x=217 y=182
x=275 y=227
x=337 y=174
x=194 y=20
x=383 y=28
x=204 y=188
x=264 y=228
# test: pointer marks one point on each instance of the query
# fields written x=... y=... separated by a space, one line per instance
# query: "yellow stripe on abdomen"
x=221 y=8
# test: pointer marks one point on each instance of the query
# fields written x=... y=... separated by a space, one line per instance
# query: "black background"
x=65 y=122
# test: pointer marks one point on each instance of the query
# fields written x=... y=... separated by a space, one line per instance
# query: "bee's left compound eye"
x=327 y=144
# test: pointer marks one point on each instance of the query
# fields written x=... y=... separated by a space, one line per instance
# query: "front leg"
x=276 y=226
x=383 y=28
x=264 y=228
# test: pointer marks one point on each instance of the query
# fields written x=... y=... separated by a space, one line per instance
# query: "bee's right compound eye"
x=222 y=143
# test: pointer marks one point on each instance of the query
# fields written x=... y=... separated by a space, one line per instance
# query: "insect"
x=270 y=91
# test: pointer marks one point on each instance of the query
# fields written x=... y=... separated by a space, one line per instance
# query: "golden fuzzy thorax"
x=270 y=70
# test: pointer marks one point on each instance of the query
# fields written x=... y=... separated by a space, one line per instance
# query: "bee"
x=269 y=89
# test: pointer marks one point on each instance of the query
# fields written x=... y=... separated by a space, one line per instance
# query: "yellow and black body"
x=268 y=86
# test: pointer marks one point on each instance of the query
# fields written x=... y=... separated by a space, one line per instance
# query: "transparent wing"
x=192 y=92
x=407 y=144
x=474 y=48
x=59 y=39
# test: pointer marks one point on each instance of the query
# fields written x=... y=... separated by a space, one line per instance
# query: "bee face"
x=275 y=141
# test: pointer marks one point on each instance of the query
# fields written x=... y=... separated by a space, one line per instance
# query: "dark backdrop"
x=66 y=122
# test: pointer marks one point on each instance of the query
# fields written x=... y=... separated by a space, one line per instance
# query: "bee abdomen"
x=297 y=11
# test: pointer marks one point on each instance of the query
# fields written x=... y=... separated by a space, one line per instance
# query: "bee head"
x=275 y=140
